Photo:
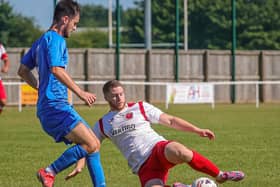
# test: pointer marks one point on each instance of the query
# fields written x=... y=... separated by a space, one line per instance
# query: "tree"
x=209 y=27
x=163 y=22
x=134 y=32
x=19 y=31
x=16 y=30
x=259 y=24
x=93 y=16
x=88 y=39
x=210 y=24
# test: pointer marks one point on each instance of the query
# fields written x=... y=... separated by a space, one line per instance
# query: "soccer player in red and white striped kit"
x=149 y=155
x=4 y=69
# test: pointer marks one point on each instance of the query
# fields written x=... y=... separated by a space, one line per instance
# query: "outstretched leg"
x=177 y=153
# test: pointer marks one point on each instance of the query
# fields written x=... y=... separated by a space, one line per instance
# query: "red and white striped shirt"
x=3 y=54
x=130 y=130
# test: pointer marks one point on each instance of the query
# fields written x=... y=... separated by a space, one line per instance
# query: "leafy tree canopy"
x=19 y=31
x=209 y=23
x=16 y=30
x=88 y=39
x=93 y=16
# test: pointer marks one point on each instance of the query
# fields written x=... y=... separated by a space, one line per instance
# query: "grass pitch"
x=247 y=138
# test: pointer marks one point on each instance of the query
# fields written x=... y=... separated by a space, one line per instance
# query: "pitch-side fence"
x=166 y=84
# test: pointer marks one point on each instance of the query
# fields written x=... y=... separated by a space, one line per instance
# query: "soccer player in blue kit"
x=58 y=118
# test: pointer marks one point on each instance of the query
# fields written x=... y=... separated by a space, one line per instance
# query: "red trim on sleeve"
x=101 y=127
x=142 y=110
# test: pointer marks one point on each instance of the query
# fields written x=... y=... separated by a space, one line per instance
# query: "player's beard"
x=66 y=33
x=117 y=106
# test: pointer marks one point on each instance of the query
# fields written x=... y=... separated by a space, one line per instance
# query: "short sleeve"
x=97 y=131
x=28 y=59
x=153 y=113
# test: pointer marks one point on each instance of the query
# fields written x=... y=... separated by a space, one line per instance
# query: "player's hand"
x=78 y=169
x=89 y=98
x=207 y=133
x=75 y=172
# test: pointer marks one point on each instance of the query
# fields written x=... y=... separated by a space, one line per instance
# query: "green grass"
x=246 y=138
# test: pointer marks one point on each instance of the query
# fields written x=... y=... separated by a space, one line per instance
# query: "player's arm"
x=62 y=76
x=78 y=168
x=25 y=73
x=183 y=125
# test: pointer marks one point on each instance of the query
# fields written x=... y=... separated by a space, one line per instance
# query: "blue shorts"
x=58 y=121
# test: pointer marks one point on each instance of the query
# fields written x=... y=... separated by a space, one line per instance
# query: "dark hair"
x=111 y=84
x=66 y=8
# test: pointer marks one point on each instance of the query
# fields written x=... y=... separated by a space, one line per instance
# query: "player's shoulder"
x=146 y=104
x=106 y=117
x=140 y=104
x=53 y=37
x=132 y=103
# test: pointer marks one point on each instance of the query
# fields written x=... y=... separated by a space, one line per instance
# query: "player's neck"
x=115 y=109
x=58 y=28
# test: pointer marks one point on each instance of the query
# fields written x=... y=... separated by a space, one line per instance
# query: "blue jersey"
x=48 y=51
x=56 y=115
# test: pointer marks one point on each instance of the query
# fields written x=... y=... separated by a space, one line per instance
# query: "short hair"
x=111 y=84
x=66 y=8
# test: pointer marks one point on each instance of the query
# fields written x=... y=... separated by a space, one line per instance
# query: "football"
x=204 y=182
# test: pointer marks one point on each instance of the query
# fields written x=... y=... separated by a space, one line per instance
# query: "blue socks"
x=95 y=170
x=69 y=157
x=75 y=153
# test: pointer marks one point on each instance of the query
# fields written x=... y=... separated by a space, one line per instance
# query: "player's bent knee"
x=178 y=153
x=93 y=147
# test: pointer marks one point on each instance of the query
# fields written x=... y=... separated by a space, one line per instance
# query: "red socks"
x=204 y=165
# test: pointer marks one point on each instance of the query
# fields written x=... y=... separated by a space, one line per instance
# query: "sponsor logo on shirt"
x=123 y=129
x=129 y=115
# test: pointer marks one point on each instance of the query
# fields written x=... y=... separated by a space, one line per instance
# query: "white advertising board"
x=184 y=93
